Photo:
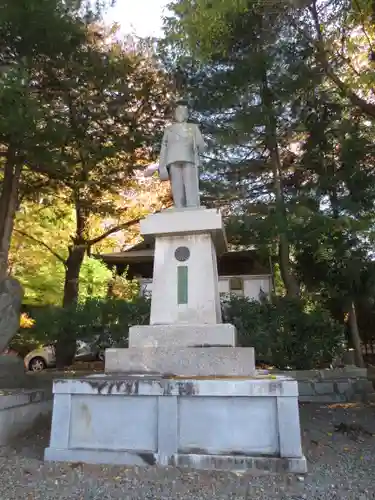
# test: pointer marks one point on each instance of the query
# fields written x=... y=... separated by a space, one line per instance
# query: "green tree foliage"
x=287 y=333
x=25 y=46
x=109 y=319
x=43 y=231
x=39 y=251
x=334 y=30
x=106 y=106
x=287 y=113
x=99 y=110
x=80 y=109
x=94 y=277
x=334 y=240
x=244 y=97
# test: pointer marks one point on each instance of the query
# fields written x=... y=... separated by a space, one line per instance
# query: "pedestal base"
x=229 y=424
x=182 y=335
x=183 y=361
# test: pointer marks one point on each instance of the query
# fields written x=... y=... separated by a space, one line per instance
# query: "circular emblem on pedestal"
x=182 y=254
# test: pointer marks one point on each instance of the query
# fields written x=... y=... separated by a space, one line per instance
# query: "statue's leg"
x=177 y=183
x=191 y=182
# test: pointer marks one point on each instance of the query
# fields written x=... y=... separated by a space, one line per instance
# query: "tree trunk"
x=290 y=282
x=354 y=333
x=75 y=258
x=66 y=344
x=73 y=268
x=352 y=316
x=9 y=199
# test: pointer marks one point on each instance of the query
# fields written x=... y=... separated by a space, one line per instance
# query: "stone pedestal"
x=227 y=424
x=182 y=361
x=185 y=287
x=186 y=335
x=183 y=393
x=180 y=335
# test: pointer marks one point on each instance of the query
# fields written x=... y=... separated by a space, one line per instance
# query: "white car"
x=45 y=357
x=39 y=359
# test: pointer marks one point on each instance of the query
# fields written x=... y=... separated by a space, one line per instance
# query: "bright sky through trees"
x=140 y=17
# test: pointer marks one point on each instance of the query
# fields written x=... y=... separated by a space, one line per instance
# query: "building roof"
x=138 y=260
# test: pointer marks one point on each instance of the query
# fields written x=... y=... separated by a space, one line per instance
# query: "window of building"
x=236 y=286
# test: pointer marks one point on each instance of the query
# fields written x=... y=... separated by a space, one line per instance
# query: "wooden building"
x=243 y=273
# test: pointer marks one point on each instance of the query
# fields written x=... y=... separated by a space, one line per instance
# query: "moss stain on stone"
x=129 y=387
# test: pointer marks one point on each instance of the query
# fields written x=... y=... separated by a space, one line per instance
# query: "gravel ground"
x=341 y=466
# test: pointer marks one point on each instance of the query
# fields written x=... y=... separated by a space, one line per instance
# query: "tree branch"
x=363 y=24
x=114 y=229
x=322 y=58
x=41 y=243
x=119 y=227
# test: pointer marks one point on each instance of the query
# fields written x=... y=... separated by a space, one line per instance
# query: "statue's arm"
x=199 y=141
x=163 y=172
x=163 y=150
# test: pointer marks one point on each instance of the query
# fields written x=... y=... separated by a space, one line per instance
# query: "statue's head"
x=181 y=113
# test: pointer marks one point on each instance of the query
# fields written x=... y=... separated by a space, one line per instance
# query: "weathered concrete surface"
x=19 y=409
x=349 y=384
x=154 y=385
x=238 y=463
x=188 y=361
x=328 y=374
x=11 y=295
x=190 y=335
x=198 y=423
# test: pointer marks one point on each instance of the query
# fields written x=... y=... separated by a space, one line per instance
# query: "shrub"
x=110 y=319
x=288 y=333
x=24 y=341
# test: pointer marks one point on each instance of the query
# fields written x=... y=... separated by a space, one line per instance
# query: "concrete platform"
x=19 y=409
x=184 y=361
x=228 y=424
x=182 y=335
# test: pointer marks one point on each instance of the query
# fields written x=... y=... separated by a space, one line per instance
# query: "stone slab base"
x=228 y=424
x=19 y=409
x=188 y=361
x=183 y=335
x=199 y=462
